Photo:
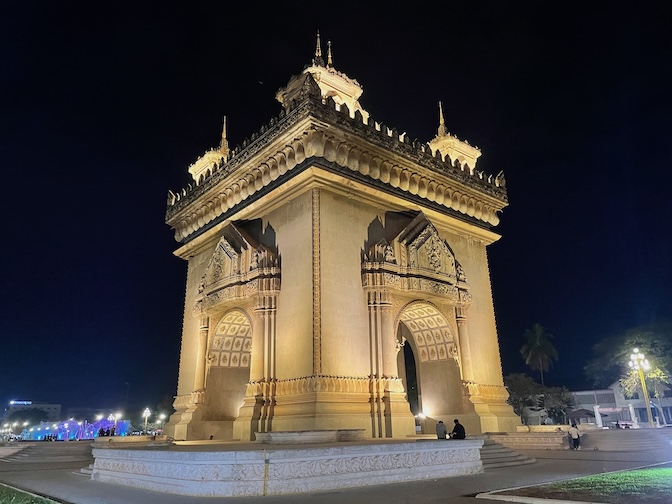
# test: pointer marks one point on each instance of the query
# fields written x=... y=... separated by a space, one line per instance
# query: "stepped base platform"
x=251 y=469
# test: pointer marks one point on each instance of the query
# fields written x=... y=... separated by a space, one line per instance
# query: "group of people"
x=107 y=432
x=458 y=431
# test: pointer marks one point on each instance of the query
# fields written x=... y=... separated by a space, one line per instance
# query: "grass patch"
x=653 y=486
x=12 y=496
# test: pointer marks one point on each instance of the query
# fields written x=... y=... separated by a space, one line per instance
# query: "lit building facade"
x=53 y=411
x=613 y=405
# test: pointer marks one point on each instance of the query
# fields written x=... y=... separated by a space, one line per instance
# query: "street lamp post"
x=145 y=415
x=640 y=363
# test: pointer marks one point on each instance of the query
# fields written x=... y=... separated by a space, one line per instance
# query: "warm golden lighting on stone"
x=322 y=253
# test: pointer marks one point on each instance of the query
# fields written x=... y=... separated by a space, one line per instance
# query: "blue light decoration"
x=74 y=430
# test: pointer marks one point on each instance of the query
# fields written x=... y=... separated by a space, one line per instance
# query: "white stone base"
x=285 y=471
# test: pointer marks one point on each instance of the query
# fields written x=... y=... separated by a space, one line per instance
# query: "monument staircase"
x=627 y=439
x=495 y=455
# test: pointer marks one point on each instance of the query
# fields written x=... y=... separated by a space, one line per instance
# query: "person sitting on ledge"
x=458 y=431
x=441 y=430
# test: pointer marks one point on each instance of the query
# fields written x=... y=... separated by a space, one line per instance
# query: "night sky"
x=103 y=110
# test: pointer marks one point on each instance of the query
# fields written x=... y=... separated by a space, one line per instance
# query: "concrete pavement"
x=43 y=474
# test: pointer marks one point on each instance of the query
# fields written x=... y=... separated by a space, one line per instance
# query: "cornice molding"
x=370 y=152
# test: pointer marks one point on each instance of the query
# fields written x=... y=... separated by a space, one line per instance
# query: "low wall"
x=553 y=440
x=556 y=428
x=126 y=441
x=285 y=471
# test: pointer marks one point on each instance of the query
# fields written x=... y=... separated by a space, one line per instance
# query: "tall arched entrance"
x=228 y=364
x=429 y=362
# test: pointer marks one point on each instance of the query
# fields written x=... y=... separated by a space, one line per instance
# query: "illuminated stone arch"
x=429 y=358
x=433 y=335
x=228 y=365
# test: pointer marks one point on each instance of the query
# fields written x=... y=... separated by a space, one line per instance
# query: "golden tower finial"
x=224 y=144
x=329 y=60
x=317 y=60
x=442 y=122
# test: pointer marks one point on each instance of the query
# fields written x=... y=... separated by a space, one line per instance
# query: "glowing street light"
x=117 y=416
x=160 y=421
x=639 y=363
x=145 y=415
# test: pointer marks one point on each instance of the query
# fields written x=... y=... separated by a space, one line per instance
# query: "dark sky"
x=104 y=106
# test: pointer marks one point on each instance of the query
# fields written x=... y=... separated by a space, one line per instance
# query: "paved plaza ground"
x=56 y=473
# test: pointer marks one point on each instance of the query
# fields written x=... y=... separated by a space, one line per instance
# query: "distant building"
x=53 y=411
x=613 y=406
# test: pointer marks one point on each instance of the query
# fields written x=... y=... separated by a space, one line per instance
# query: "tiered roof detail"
x=452 y=147
x=317 y=126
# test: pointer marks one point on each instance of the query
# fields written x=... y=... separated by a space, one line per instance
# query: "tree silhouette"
x=611 y=354
x=538 y=351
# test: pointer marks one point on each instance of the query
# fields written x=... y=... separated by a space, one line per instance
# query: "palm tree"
x=538 y=351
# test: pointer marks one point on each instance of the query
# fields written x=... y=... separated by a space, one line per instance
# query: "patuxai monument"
x=337 y=276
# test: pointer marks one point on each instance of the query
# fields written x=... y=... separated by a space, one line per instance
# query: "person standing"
x=458 y=431
x=441 y=430
x=574 y=435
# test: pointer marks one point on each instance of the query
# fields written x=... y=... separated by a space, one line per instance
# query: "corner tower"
x=337 y=277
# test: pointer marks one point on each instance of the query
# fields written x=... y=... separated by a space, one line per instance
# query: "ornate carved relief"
x=186 y=401
x=326 y=384
x=432 y=333
x=232 y=342
x=238 y=270
x=479 y=393
x=417 y=261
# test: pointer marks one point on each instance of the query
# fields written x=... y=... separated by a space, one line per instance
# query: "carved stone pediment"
x=239 y=268
x=419 y=260
x=424 y=250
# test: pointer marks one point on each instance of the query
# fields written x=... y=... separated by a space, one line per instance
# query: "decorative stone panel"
x=239 y=472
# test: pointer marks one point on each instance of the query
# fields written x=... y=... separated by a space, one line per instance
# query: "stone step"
x=494 y=455
x=508 y=463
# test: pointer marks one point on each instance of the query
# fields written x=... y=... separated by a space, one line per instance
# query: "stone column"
x=633 y=416
x=258 y=350
x=465 y=349
x=391 y=415
x=598 y=417
x=266 y=316
x=382 y=340
x=388 y=341
x=201 y=353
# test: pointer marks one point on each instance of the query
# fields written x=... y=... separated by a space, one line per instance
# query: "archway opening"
x=428 y=364
x=410 y=371
x=229 y=357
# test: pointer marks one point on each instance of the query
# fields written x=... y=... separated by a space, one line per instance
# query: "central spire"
x=318 y=60
x=332 y=83
x=442 y=122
